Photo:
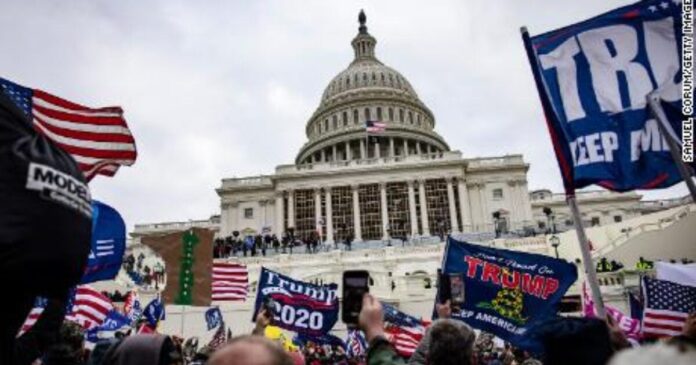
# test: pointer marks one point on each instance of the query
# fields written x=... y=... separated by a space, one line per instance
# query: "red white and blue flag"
x=230 y=281
x=404 y=331
x=98 y=139
x=667 y=306
x=373 y=126
x=90 y=307
x=356 y=345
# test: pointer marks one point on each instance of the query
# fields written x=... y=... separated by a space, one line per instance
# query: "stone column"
x=291 y=208
x=323 y=155
x=329 y=217
x=512 y=196
x=279 y=226
x=524 y=196
x=485 y=214
x=385 y=212
x=465 y=206
x=412 y=209
x=357 y=229
x=335 y=153
x=317 y=210
x=378 y=153
x=348 y=154
x=424 y=208
x=363 y=154
x=418 y=148
x=454 y=222
x=405 y=147
x=392 y=151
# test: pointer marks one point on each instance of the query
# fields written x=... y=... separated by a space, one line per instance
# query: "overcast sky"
x=215 y=89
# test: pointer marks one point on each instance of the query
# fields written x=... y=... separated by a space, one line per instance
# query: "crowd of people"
x=568 y=341
x=260 y=244
x=143 y=274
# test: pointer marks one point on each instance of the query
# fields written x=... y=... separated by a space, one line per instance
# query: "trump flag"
x=593 y=78
x=506 y=292
x=108 y=244
x=297 y=305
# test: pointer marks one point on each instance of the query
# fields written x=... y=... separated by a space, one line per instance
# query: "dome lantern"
x=364 y=43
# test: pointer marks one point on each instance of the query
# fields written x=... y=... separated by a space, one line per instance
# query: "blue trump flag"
x=297 y=306
x=593 y=78
x=213 y=318
x=108 y=244
x=507 y=292
x=154 y=312
x=113 y=322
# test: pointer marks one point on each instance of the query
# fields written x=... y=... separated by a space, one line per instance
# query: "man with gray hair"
x=446 y=342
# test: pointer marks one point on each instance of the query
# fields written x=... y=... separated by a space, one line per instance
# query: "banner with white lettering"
x=593 y=78
x=297 y=306
x=505 y=292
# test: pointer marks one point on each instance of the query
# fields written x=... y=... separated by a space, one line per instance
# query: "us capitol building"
x=404 y=182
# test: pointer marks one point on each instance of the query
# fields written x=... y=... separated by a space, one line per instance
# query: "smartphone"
x=355 y=285
x=457 y=292
x=443 y=287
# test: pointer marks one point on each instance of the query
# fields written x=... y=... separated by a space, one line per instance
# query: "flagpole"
x=590 y=270
x=570 y=190
x=183 y=311
x=668 y=133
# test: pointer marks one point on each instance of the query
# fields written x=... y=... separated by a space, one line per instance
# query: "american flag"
x=372 y=126
x=404 y=331
x=218 y=339
x=86 y=306
x=89 y=308
x=356 y=345
x=667 y=305
x=98 y=139
x=39 y=305
x=230 y=281
x=132 y=307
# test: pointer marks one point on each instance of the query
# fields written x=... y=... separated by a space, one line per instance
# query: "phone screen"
x=457 y=289
x=355 y=285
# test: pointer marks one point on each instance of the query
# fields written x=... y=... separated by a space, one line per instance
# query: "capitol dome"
x=368 y=90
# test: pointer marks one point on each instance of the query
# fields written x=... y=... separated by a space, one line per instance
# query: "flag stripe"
x=229 y=281
x=69 y=105
x=93 y=136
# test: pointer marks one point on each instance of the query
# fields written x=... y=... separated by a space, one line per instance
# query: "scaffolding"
x=438 y=206
x=397 y=207
x=305 y=224
x=342 y=209
x=370 y=212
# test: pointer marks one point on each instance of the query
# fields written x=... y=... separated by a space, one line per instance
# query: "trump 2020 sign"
x=506 y=292
x=593 y=78
x=298 y=306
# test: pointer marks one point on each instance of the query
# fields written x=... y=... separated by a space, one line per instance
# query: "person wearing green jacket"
x=371 y=321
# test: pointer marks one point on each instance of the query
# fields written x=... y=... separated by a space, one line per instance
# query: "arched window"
x=347 y=81
x=410 y=117
x=345 y=119
x=374 y=77
x=367 y=114
x=391 y=80
x=382 y=75
x=418 y=116
x=356 y=117
x=326 y=125
x=401 y=115
x=335 y=122
x=379 y=113
x=364 y=78
x=391 y=114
